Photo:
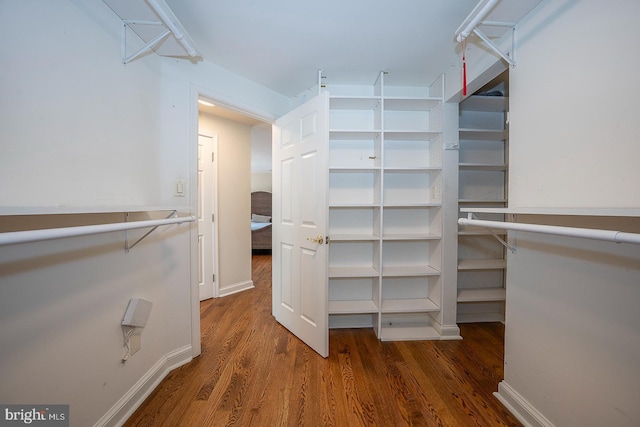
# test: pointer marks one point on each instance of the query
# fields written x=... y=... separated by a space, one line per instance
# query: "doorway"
x=237 y=157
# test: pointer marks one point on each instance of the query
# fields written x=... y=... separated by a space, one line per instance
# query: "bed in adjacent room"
x=261 y=221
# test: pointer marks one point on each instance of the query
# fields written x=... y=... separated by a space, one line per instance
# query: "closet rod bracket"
x=128 y=247
x=472 y=216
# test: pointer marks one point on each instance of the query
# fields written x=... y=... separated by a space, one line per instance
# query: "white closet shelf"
x=368 y=206
x=356 y=271
x=411 y=236
x=483 y=167
x=347 y=169
x=482 y=295
x=411 y=135
x=482 y=201
x=482 y=134
x=409 y=271
x=406 y=305
x=354 y=102
x=482 y=264
x=413 y=169
x=353 y=135
x=492 y=104
x=336 y=237
x=410 y=104
x=352 y=307
x=413 y=205
x=409 y=331
x=627 y=212
x=79 y=210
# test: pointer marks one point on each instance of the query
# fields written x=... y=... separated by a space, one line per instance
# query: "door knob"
x=318 y=239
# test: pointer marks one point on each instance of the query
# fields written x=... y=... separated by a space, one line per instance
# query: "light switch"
x=179 y=189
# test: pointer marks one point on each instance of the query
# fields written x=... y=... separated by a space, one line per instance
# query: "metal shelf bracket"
x=472 y=216
x=127 y=246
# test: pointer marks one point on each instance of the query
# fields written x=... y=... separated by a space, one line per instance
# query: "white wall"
x=234 y=201
x=574 y=107
x=572 y=341
x=79 y=132
x=261 y=158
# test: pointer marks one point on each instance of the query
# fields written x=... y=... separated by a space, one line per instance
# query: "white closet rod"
x=474 y=18
x=15 y=237
x=586 y=233
x=168 y=18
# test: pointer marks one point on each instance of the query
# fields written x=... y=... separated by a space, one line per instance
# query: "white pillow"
x=260 y=218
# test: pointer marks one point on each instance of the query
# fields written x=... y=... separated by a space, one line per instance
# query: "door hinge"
x=212 y=218
x=213 y=277
x=212 y=157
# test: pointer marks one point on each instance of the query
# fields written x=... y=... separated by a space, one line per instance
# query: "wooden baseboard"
x=133 y=398
x=520 y=407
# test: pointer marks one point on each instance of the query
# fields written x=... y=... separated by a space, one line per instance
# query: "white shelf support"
x=496 y=49
x=171 y=39
x=585 y=233
x=472 y=217
x=477 y=18
x=127 y=247
x=147 y=47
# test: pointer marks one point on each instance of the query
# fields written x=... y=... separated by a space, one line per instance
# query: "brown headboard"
x=261 y=203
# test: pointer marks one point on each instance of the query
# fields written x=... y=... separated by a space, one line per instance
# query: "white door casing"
x=207 y=235
x=300 y=165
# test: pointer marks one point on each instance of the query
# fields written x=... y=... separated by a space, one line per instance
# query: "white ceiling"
x=281 y=44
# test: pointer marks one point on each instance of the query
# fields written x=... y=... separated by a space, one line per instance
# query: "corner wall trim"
x=520 y=407
x=132 y=399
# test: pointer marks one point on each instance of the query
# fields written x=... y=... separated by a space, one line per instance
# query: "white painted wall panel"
x=574 y=126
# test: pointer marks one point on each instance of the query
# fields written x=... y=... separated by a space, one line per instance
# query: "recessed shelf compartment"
x=490 y=104
x=411 y=188
x=480 y=247
x=483 y=134
x=354 y=223
x=481 y=184
x=411 y=258
x=351 y=187
x=354 y=295
x=410 y=294
x=483 y=167
x=412 y=151
x=355 y=150
x=354 y=259
x=407 y=326
x=481 y=295
x=355 y=113
x=482 y=264
x=412 y=223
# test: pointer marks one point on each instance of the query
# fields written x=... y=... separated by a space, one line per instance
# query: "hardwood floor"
x=253 y=372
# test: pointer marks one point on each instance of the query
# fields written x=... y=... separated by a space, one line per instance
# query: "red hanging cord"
x=464 y=68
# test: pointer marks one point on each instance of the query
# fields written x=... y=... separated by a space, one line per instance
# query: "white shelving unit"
x=385 y=200
x=483 y=170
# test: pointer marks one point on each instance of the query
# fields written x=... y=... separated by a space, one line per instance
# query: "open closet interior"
x=483 y=182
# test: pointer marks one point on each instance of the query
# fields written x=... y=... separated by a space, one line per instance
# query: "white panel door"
x=300 y=153
x=207 y=188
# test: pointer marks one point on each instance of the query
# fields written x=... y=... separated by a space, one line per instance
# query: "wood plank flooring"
x=253 y=372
